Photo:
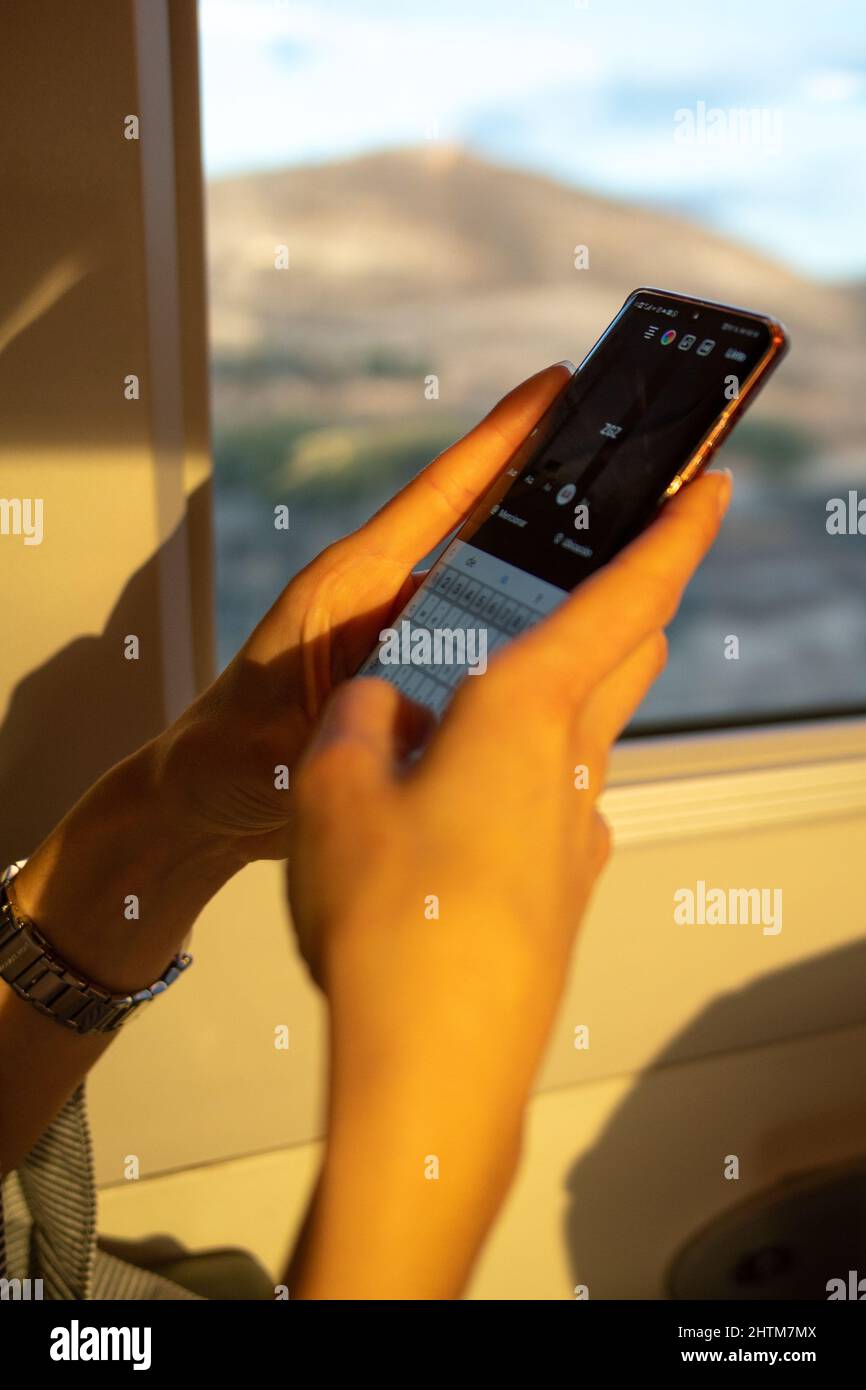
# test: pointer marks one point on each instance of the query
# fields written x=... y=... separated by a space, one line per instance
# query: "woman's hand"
x=219 y=763
x=170 y=824
x=438 y=906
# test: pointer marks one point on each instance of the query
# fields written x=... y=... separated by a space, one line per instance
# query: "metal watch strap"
x=32 y=967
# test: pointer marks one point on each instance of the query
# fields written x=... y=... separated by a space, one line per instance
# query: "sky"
x=635 y=99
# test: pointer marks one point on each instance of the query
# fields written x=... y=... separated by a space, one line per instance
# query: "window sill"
x=695 y=785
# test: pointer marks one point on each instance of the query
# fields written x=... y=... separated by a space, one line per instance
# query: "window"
x=470 y=192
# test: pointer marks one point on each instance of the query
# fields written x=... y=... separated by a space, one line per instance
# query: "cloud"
x=588 y=96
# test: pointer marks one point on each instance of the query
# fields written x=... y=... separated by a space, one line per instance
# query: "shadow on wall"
x=795 y=1117
x=72 y=718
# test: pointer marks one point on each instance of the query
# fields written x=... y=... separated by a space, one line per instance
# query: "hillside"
x=432 y=260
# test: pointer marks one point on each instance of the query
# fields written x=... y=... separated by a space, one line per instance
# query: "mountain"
x=434 y=261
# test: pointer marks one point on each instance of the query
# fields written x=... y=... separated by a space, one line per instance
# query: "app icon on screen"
x=668 y=337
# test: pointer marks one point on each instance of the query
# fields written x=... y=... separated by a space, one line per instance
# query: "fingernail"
x=723 y=490
x=566 y=362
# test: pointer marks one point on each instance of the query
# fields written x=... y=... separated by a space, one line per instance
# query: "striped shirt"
x=48 y=1222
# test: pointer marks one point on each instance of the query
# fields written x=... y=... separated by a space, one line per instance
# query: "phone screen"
x=585 y=481
x=593 y=472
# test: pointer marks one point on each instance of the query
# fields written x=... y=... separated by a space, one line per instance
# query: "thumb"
x=370 y=719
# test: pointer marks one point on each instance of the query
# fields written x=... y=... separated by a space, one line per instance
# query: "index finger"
x=635 y=594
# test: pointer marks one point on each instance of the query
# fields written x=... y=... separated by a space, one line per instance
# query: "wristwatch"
x=32 y=967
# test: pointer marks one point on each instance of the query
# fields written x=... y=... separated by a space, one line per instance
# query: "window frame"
x=694 y=784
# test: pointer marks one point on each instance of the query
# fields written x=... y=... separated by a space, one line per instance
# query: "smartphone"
x=642 y=416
